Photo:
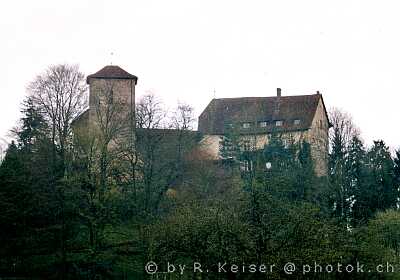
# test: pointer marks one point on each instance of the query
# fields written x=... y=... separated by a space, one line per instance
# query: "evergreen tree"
x=15 y=204
x=291 y=173
x=33 y=127
x=280 y=153
x=337 y=175
x=27 y=202
x=355 y=180
x=305 y=172
x=383 y=187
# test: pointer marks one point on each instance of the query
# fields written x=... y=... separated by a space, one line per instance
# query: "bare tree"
x=178 y=142
x=60 y=92
x=150 y=118
x=161 y=144
x=182 y=118
x=182 y=121
x=150 y=112
x=343 y=128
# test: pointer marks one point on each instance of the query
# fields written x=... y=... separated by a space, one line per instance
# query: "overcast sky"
x=183 y=50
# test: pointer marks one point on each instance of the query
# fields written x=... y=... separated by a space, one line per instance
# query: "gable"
x=320 y=116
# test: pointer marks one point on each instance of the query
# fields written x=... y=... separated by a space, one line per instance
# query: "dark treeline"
x=80 y=206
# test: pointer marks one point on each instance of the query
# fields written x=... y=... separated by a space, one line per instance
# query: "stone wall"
x=123 y=103
x=211 y=143
x=319 y=139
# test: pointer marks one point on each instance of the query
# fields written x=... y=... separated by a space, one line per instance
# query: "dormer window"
x=246 y=125
x=278 y=123
x=296 y=122
x=262 y=124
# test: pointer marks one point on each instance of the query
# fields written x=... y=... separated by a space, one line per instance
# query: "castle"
x=295 y=118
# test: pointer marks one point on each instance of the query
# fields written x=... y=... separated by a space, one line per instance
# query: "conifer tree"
x=33 y=126
x=305 y=172
x=381 y=168
x=27 y=203
x=355 y=179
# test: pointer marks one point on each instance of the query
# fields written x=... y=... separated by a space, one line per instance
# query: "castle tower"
x=112 y=102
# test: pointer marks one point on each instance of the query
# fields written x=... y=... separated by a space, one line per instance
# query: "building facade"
x=294 y=118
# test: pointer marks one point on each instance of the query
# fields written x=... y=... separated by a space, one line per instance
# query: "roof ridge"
x=273 y=96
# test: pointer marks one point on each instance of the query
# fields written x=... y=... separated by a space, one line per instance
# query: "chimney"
x=277 y=102
x=278 y=92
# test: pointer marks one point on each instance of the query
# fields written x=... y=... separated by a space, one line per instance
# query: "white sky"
x=183 y=50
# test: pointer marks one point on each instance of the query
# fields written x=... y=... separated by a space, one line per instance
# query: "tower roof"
x=112 y=72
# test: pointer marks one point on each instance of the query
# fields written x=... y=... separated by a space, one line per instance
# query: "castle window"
x=279 y=123
x=263 y=124
x=296 y=122
x=246 y=125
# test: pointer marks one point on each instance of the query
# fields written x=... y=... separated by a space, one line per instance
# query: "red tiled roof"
x=112 y=72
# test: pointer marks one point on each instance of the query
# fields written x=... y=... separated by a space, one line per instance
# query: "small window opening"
x=263 y=124
x=246 y=125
